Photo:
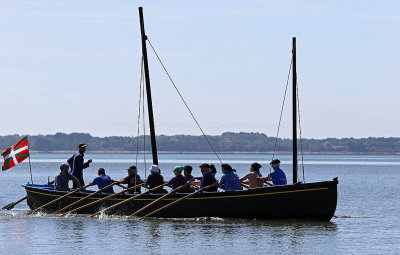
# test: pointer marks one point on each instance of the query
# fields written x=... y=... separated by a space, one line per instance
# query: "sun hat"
x=155 y=169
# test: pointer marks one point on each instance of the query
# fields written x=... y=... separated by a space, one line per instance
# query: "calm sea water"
x=368 y=212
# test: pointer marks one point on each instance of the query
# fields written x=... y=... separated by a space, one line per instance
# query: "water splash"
x=103 y=216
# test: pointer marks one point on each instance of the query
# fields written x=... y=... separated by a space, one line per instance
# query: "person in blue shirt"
x=278 y=177
x=102 y=181
x=76 y=163
x=179 y=180
x=208 y=178
x=229 y=181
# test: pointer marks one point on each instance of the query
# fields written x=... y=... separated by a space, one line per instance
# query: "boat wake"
x=18 y=215
x=108 y=217
x=349 y=216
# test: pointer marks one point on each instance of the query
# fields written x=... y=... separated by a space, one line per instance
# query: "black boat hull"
x=300 y=201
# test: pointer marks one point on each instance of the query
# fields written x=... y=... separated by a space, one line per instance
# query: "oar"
x=122 y=186
x=55 y=200
x=126 y=200
x=11 y=205
x=84 y=198
x=266 y=182
x=244 y=186
x=98 y=201
x=159 y=199
x=177 y=201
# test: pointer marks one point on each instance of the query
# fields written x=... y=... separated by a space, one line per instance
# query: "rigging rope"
x=144 y=132
x=280 y=117
x=138 y=121
x=187 y=107
x=301 y=140
x=141 y=95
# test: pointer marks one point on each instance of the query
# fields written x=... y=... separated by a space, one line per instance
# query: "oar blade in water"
x=11 y=205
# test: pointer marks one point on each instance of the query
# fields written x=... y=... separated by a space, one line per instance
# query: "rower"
x=178 y=180
x=62 y=179
x=251 y=177
x=102 y=181
x=208 y=178
x=155 y=179
x=132 y=179
x=187 y=171
x=229 y=181
x=278 y=177
x=213 y=169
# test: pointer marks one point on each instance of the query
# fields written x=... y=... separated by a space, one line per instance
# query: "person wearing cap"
x=132 y=180
x=229 y=181
x=179 y=180
x=155 y=179
x=278 y=177
x=62 y=179
x=251 y=177
x=76 y=163
x=102 y=181
x=208 y=178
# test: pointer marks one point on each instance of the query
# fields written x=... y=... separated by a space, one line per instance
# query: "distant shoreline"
x=228 y=142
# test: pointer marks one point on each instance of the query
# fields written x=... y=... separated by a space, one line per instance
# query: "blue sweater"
x=230 y=181
x=76 y=164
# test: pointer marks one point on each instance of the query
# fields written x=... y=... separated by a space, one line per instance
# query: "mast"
x=148 y=89
x=294 y=113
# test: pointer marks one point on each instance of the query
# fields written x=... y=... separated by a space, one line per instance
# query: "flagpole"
x=30 y=167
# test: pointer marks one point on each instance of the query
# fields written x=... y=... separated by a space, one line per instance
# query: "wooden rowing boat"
x=299 y=201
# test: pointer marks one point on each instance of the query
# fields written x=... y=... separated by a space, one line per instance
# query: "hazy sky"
x=74 y=66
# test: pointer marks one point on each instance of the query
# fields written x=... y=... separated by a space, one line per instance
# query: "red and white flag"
x=15 y=154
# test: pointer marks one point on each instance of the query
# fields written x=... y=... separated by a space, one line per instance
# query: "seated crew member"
x=155 y=179
x=187 y=171
x=229 y=181
x=208 y=178
x=132 y=180
x=278 y=177
x=251 y=177
x=213 y=169
x=179 y=180
x=62 y=179
x=102 y=181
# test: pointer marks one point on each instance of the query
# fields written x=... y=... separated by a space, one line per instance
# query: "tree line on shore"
x=227 y=142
